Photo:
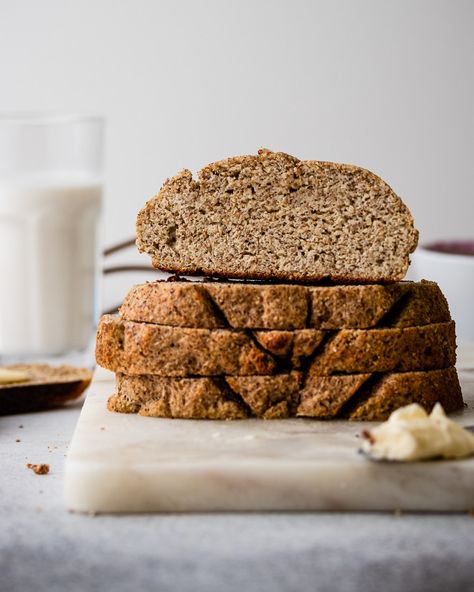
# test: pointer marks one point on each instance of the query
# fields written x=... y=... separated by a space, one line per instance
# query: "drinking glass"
x=50 y=209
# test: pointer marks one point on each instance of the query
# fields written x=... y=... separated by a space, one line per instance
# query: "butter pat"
x=8 y=376
x=411 y=434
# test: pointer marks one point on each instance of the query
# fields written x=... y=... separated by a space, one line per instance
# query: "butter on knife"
x=8 y=376
x=411 y=434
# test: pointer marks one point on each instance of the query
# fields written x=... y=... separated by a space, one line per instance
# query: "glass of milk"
x=50 y=206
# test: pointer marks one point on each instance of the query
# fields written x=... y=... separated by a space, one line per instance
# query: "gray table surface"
x=44 y=547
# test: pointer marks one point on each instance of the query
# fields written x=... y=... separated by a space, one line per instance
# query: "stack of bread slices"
x=301 y=312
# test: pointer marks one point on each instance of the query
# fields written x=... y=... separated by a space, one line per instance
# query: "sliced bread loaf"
x=362 y=397
x=250 y=305
x=140 y=348
x=272 y=216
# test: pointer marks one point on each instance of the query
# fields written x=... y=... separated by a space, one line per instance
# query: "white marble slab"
x=127 y=463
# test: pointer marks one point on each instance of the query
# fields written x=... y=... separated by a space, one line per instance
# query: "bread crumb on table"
x=39 y=469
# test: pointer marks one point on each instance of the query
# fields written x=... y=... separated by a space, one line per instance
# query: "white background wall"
x=386 y=85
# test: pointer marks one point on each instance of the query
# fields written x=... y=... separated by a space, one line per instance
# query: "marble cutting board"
x=127 y=463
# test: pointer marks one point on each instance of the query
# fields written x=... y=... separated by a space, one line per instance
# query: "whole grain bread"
x=185 y=398
x=352 y=351
x=373 y=397
x=141 y=348
x=362 y=397
x=390 y=394
x=42 y=387
x=250 y=305
x=272 y=216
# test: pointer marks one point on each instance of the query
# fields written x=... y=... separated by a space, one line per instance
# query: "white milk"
x=48 y=265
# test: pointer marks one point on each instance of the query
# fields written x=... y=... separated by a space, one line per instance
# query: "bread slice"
x=361 y=397
x=272 y=216
x=373 y=397
x=140 y=348
x=40 y=386
x=189 y=398
x=383 y=350
x=390 y=394
x=250 y=305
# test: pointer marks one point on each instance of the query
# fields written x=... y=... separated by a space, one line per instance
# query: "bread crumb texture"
x=273 y=216
x=250 y=305
x=142 y=348
x=366 y=396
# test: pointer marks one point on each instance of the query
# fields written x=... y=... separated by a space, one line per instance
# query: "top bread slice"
x=272 y=216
